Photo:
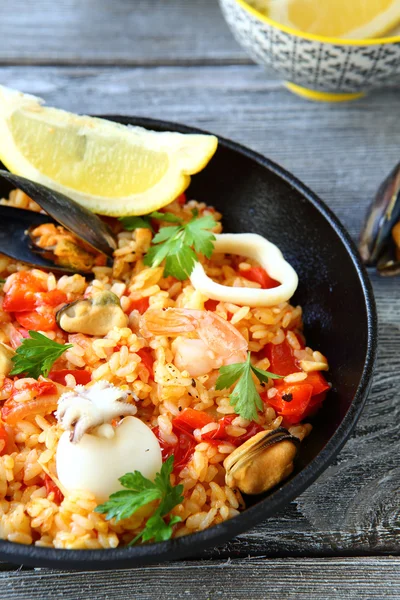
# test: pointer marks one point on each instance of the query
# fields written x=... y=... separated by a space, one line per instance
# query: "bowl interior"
x=255 y=195
x=257 y=8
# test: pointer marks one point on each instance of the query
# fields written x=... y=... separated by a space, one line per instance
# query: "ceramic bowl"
x=319 y=68
x=256 y=195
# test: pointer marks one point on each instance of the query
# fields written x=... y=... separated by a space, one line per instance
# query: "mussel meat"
x=96 y=315
x=27 y=236
x=380 y=238
x=262 y=462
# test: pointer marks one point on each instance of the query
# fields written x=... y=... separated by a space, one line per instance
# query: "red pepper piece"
x=218 y=436
x=291 y=401
x=191 y=419
x=211 y=304
x=51 y=487
x=259 y=275
x=182 y=451
x=318 y=381
x=281 y=358
x=82 y=376
x=146 y=355
x=140 y=305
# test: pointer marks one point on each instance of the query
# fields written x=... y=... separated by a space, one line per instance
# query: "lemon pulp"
x=348 y=19
x=91 y=164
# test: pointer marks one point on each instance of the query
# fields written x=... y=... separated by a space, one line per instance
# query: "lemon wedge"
x=348 y=19
x=109 y=168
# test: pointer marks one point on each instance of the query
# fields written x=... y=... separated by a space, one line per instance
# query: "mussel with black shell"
x=380 y=237
x=262 y=462
x=67 y=239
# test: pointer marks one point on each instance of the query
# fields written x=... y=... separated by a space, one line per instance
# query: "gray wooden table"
x=176 y=60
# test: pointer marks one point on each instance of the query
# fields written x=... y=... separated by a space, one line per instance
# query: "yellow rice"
x=27 y=514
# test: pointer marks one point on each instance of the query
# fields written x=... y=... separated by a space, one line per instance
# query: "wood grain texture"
x=248 y=579
x=127 y=32
x=342 y=152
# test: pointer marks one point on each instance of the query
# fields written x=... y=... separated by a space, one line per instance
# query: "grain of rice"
x=295 y=377
x=309 y=366
x=293 y=340
x=240 y=314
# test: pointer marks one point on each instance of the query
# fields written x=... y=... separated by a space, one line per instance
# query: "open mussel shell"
x=261 y=462
x=68 y=213
x=14 y=242
x=376 y=246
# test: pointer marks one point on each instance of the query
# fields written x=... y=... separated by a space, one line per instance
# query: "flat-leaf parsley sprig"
x=244 y=398
x=141 y=491
x=36 y=355
x=178 y=244
x=144 y=222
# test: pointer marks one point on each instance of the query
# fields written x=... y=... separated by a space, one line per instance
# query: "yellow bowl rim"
x=317 y=38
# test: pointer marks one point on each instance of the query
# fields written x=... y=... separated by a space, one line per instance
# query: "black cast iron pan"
x=256 y=195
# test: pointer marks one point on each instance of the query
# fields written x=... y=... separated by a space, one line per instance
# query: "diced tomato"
x=52 y=298
x=220 y=435
x=291 y=401
x=82 y=377
x=181 y=199
x=259 y=275
x=25 y=295
x=147 y=359
x=281 y=358
x=140 y=305
x=37 y=321
x=28 y=292
x=307 y=396
x=51 y=487
x=318 y=381
x=211 y=304
x=191 y=419
x=182 y=451
x=21 y=292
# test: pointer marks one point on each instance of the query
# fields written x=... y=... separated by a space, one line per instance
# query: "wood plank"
x=342 y=152
x=103 y=32
x=246 y=579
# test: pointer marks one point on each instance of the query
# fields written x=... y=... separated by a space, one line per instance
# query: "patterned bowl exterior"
x=317 y=65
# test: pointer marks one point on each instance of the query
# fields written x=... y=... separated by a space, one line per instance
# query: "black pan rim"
x=188 y=546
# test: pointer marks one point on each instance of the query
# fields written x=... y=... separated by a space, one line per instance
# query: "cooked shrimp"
x=215 y=343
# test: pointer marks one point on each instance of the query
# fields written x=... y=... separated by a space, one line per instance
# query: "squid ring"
x=266 y=254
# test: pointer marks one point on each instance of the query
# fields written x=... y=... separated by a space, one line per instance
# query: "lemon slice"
x=348 y=19
x=110 y=168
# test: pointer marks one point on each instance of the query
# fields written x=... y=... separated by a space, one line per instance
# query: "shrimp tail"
x=171 y=322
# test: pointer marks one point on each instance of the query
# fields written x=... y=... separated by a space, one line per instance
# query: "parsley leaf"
x=144 y=222
x=141 y=491
x=131 y=223
x=167 y=217
x=244 y=398
x=36 y=355
x=178 y=244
